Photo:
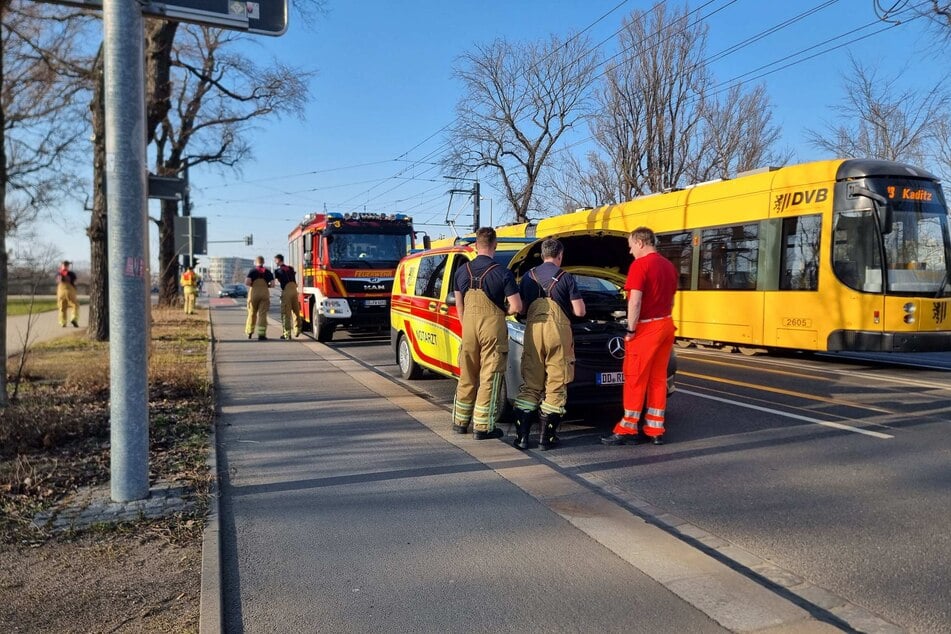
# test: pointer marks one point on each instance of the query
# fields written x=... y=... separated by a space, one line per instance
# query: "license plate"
x=610 y=378
x=375 y=302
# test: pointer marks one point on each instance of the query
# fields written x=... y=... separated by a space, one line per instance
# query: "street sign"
x=265 y=17
x=191 y=235
x=166 y=187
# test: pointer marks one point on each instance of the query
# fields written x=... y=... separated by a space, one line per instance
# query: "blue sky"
x=384 y=85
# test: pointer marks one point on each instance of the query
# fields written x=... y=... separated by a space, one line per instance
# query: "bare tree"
x=37 y=263
x=879 y=119
x=938 y=13
x=216 y=96
x=651 y=102
x=39 y=122
x=159 y=37
x=659 y=123
x=738 y=134
x=571 y=184
x=519 y=100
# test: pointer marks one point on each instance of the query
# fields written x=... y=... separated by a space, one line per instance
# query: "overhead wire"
x=722 y=86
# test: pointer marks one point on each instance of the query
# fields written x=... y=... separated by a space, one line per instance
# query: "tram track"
x=821 y=370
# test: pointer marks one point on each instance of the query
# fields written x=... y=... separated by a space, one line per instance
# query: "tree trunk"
x=168 y=260
x=97 y=231
x=4 y=265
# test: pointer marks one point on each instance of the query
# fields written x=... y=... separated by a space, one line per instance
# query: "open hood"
x=601 y=253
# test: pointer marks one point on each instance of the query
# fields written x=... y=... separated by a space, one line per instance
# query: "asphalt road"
x=835 y=469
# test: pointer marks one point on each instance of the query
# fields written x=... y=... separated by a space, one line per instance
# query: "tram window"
x=678 y=248
x=856 y=251
x=729 y=257
x=800 y=255
x=429 y=277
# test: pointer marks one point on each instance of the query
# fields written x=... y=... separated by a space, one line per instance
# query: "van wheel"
x=325 y=330
x=409 y=369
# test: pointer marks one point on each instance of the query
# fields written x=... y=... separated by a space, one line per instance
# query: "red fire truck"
x=346 y=263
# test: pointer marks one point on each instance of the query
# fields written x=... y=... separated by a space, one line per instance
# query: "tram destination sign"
x=266 y=17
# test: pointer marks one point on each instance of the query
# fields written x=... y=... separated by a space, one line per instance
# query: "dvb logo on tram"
x=805 y=197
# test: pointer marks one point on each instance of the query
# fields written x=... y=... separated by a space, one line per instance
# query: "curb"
x=210 y=617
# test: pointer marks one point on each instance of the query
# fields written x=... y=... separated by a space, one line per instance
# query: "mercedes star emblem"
x=616 y=347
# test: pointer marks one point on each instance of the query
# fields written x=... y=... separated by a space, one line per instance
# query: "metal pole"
x=475 y=206
x=126 y=198
x=186 y=211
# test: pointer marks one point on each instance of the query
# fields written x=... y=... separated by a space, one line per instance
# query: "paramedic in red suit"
x=651 y=285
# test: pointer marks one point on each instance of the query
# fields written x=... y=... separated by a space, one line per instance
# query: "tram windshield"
x=917 y=246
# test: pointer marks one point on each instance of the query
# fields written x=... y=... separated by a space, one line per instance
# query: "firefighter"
x=651 y=285
x=66 y=295
x=189 y=283
x=259 y=298
x=481 y=288
x=548 y=355
x=290 y=303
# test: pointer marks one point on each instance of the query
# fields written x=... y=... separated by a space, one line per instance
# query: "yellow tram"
x=832 y=255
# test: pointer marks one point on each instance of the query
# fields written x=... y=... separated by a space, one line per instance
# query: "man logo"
x=940 y=312
x=616 y=347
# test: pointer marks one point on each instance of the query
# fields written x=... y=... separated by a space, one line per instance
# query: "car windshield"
x=588 y=284
x=366 y=250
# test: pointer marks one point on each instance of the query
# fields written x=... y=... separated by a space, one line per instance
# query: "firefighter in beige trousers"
x=290 y=303
x=66 y=295
x=260 y=281
x=481 y=289
x=548 y=355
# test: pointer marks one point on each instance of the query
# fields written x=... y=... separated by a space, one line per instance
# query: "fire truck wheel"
x=325 y=330
x=409 y=369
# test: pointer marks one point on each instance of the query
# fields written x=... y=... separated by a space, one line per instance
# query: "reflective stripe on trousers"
x=548 y=358
x=645 y=375
x=482 y=360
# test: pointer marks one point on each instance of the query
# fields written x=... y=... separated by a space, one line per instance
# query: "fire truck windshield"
x=366 y=250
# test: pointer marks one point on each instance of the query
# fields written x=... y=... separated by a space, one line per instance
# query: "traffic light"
x=249 y=240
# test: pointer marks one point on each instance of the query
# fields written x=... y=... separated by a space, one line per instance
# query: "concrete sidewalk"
x=348 y=507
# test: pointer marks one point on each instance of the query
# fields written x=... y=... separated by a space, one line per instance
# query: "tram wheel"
x=750 y=352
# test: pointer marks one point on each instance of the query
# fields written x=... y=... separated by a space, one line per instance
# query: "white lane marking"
x=824 y=423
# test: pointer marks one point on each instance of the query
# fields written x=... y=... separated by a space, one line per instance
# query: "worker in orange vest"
x=190 y=289
x=651 y=285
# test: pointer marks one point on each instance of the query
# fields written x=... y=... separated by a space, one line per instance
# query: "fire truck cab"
x=346 y=263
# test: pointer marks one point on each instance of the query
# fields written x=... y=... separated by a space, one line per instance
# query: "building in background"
x=225 y=270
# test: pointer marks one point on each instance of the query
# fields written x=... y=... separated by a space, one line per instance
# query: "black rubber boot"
x=549 y=423
x=523 y=428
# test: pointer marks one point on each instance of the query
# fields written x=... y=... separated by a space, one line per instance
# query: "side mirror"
x=883 y=211
x=451 y=300
x=427 y=243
